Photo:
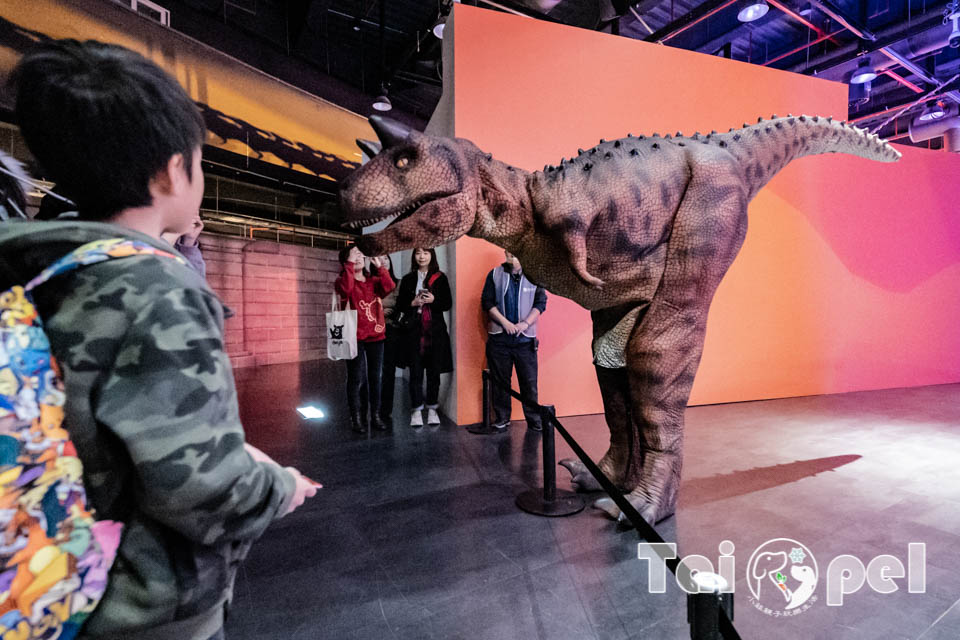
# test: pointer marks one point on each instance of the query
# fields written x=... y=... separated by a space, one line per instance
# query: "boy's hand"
x=190 y=237
x=305 y=488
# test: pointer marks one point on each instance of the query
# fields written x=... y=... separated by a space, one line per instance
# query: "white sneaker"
x=416 y=418
x=432 y=417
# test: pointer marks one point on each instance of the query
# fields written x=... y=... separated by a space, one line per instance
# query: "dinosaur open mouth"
x=393 y=217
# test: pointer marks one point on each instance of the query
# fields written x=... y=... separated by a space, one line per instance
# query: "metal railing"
x=709 y=614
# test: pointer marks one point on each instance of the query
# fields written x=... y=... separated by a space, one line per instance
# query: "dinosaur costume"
x=648 y=226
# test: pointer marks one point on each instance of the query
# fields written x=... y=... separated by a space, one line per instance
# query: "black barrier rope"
x=701 y=607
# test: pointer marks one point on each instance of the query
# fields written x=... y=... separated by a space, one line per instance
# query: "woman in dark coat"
x=425 y=345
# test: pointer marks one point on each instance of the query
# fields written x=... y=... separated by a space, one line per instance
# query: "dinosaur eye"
x=402 y=162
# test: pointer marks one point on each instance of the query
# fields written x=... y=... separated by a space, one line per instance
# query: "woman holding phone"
x=425 y=345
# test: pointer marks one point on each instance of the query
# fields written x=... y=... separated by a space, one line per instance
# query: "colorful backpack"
x=54 y=553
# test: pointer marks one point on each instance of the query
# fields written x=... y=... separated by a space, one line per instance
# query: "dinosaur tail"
x=768 y=146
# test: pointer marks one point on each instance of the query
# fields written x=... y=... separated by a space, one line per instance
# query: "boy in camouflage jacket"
x=151 y=404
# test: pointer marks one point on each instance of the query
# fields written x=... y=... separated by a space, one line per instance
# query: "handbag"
x=341 y=331
x=410 y=319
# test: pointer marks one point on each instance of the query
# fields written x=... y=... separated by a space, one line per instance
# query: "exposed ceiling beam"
x=684 y=22
x=885 y=38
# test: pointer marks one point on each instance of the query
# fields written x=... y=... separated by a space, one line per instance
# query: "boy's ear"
x=170 y=178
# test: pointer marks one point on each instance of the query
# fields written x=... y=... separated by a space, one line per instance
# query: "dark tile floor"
x=416 y=535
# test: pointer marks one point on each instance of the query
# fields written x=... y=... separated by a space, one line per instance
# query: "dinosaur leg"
x=616 y=463
x=662 y=359
x=664 y=351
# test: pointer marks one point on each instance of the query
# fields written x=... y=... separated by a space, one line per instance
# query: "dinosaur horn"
x=390 y=132
x=368 y=147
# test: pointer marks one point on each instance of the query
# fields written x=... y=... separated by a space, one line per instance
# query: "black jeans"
x=503 y=354
x=389 y=373
x=424 y=364
x=363 y=378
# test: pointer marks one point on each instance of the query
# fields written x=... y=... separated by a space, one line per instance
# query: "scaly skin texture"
x=641 y=224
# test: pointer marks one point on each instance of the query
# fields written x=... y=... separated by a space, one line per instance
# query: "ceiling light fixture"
x=751 y=10
x=442 y=21
x=934 y=111
x=382 y=103
x=864 y=73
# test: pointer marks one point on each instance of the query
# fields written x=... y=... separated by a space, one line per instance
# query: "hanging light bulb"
x=864 y=73
x=751 y=10
x=934 y=111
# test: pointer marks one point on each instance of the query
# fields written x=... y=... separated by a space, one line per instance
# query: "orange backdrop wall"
x=848 y=279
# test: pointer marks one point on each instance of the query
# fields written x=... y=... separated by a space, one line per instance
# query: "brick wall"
x=279 y=293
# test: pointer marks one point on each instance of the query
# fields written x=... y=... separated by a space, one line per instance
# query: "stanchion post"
x=549 y=501
x=703 y=609
x=547 y=413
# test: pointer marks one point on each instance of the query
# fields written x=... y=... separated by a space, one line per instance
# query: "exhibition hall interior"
x=553 y=319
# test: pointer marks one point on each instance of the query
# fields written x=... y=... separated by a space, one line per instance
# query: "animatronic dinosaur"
x=646 y=226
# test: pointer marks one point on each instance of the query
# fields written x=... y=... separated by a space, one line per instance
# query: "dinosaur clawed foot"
x=649 y=511
x=580 y=478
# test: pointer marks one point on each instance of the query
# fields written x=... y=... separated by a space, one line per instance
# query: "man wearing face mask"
x=513 y=305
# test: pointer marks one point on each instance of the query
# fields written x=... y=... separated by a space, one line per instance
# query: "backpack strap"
x=98 y=251
x=436 y=276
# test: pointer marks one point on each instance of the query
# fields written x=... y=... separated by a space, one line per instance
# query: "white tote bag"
x=341 y=331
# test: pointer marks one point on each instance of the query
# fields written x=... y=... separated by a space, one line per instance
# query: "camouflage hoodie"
x=152 y=410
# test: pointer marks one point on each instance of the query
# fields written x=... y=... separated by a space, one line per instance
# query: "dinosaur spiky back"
x=766 y=147
x=763 y=148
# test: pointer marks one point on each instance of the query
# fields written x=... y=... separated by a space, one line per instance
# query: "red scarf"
x=426 y=318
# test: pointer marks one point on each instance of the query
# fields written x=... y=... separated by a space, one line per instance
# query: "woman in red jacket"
x=363 y=289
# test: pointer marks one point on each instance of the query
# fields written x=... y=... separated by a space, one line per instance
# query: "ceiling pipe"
x=713 y=45
x=796 y=16
x=687 y=20
x=902 y=80
x=920 y=45
x=920 y=72
x=899 y=107
x=888 y=51
x=837 y=14
x=821 y=65
x=804 y=47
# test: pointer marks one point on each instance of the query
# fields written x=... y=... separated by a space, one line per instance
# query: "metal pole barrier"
x=710 y=618
x=704 y=608
x=549 y=454
x=485 y=428
x=550 y=502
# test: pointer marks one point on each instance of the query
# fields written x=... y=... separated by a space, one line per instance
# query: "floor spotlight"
x=311 y=412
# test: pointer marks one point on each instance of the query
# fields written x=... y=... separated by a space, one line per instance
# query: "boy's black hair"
x=102 y=121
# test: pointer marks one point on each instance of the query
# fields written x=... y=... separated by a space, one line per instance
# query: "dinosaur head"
x=422 y=183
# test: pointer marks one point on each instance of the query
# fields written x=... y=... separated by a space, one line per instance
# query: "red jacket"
x=365 y=297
